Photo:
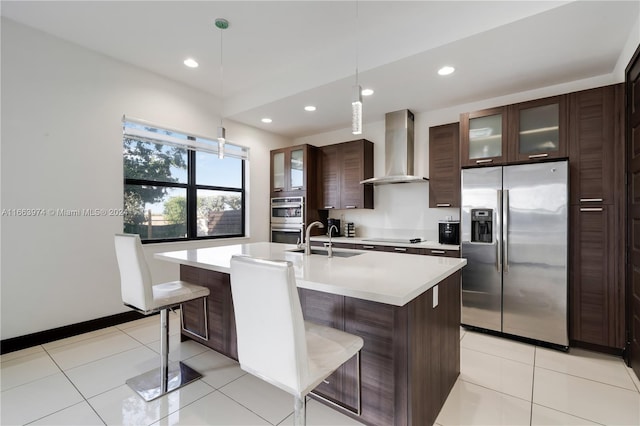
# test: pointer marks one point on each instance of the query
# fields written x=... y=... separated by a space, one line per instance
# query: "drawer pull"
x=368 y=247
x=591 y=200
x=329 y=207
x=400 y=249
x=296 y=188
x=438 y=251
x=325 y=381
x=277 y=189
x=350 y=207
x=443 y=205
x=489 y=160
x=591 y=209
x=538 y=156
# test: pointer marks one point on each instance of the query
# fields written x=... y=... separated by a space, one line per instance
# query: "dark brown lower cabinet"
x=411 y=354
x=220 y=315
x=597 y=316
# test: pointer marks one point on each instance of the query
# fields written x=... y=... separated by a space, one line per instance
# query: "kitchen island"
x=405 y=307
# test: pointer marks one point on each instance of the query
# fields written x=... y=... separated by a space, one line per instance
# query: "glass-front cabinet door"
x=538 y=129
x=296 y=170
x=484 y=137
x=278 y=183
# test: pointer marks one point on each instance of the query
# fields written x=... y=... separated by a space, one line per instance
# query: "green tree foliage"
x=146 y=160
x=175 y=210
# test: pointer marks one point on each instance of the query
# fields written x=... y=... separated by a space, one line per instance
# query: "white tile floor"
x=81 y=381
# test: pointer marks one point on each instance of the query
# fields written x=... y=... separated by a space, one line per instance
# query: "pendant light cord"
x=221 y=79
x=357 y=39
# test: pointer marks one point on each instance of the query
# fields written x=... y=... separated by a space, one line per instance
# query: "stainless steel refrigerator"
x=514 y=231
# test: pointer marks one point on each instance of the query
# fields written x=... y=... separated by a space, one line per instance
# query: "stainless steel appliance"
x=514 y=236
x=287 y=220
x=287 y=210
x=288 y=234
x=449 y=232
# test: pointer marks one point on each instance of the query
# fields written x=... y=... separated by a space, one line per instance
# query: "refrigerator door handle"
x=499 y=233
x=505 y=230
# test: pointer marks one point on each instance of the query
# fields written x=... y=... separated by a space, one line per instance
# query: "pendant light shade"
x=356 y=110
x=222 y=138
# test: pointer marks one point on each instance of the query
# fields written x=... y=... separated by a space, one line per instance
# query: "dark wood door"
x=355 y=158
x=330 y=177
x=632 y=82
x=444 y=165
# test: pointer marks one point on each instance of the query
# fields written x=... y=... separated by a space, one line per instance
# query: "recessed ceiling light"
x=446 y=70
x=367 y=92
x=266 y=120
x=309 y=108
x=191 y=63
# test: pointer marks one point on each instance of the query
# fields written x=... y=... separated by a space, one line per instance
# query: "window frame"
x=192 y=188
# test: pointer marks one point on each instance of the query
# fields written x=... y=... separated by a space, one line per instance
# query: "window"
x=176 y=186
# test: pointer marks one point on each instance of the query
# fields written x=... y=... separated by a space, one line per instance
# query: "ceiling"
x=279 y=56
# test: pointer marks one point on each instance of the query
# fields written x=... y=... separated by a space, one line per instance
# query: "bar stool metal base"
x=149 y=385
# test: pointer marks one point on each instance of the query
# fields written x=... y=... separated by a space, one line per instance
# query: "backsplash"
x=400 y=211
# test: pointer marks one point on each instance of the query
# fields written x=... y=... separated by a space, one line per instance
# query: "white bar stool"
x=140 y=294
x=275 y=344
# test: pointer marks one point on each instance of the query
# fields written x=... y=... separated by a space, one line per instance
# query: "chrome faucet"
x=329 y=246
x=307 y=247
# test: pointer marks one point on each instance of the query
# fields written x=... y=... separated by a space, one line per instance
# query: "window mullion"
x=192 y=196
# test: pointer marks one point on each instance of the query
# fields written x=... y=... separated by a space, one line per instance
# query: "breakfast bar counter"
x=405 y=307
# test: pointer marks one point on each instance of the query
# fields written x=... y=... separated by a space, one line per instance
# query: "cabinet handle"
x=400 y=249
x=277 y=189
x=538 y=155
x=591 y=209
x=325 y=381
x=296 y=188
x=591 y=200
x=438 y=252
x=443 y=205
x=329 y=207
x=350 y=207
x=489 y=160
x=368 y=247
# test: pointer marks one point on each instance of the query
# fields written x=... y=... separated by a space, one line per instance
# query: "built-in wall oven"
x=287 y=220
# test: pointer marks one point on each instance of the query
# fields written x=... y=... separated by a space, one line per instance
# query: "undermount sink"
x=324 y=252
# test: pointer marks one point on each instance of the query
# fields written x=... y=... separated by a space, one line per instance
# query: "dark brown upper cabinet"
x=483 y=137
x=344 y=165
x=538 y=130
x=293 y=170
x=444 y=165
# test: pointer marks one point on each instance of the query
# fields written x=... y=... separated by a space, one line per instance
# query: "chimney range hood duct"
x=398 y=150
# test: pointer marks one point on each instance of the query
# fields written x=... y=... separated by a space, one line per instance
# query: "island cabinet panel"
x=411 y=354
x=409 y=362
x=220 y=315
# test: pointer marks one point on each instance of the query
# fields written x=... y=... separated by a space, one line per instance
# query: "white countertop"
x=391 y=278
x=368 y=240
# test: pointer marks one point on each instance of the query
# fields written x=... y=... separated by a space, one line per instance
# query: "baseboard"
x=597 y=348
x=46 y=336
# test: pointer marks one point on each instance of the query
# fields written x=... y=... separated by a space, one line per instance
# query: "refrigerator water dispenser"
x=481 y=225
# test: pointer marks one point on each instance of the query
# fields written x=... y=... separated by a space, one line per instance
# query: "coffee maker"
x=449 y=232
x=334 y=232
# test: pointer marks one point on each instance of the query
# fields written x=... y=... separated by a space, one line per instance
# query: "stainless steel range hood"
x=398 y=150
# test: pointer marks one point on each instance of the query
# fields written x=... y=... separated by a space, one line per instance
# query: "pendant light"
x=356 y=99
x=221 y=24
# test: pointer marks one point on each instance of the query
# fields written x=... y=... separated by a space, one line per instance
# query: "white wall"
x=62 y=148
